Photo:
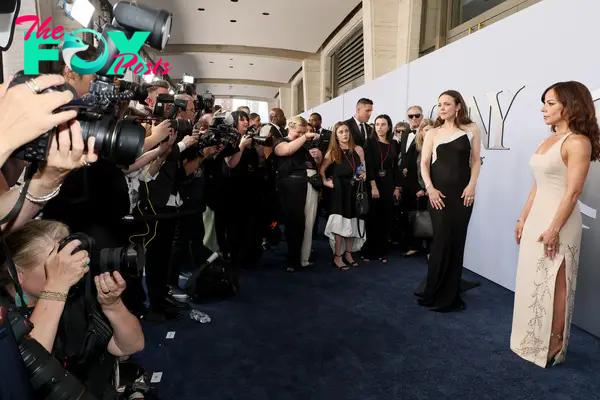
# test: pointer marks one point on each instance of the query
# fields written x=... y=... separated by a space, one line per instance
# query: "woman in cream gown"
x=549 y=229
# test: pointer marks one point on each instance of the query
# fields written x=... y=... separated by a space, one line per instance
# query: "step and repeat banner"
x=502 y=72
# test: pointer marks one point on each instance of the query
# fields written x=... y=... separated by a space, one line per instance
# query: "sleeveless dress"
x=343 y=220
x=450 y=174
x=536 y=274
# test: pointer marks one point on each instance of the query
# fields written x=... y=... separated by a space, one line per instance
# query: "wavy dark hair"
x=390 y=133
x=579 y=111
x=334 y=150
x=462 y=118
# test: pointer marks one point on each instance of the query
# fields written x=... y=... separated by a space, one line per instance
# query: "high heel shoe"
x=345 y=259
x=556 y=350
x=343 y=267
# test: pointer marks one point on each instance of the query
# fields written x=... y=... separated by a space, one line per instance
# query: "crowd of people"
x=190 y=197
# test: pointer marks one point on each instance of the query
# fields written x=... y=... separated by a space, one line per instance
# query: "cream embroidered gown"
x=536 y=274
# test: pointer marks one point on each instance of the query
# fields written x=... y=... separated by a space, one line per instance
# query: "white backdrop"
x=550 y=41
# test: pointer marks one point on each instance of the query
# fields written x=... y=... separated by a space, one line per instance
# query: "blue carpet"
x=327 y=334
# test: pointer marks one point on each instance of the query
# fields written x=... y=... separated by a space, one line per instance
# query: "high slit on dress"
x=536 y=273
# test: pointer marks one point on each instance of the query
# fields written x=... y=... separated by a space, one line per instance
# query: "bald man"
x=278 y=121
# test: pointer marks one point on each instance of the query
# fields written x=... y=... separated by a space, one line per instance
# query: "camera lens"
x=121 y=142
x=48 y=379
x=129 y=260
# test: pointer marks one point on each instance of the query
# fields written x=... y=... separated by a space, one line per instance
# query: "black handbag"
x=316 y=182
x=362 y=200
x=420 y=220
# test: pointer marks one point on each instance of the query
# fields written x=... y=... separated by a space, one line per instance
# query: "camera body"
x=128 y=261
x=118 y=141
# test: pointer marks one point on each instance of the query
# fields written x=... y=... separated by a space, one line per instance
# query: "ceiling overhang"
x=176 y=49
x=248 y=82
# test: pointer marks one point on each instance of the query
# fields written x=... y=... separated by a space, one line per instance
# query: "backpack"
x=211 y=282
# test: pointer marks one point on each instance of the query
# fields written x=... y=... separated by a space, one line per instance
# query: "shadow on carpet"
x=327 y=334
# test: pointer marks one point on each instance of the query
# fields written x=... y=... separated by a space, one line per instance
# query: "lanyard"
x=352 y=163
x=381 y=154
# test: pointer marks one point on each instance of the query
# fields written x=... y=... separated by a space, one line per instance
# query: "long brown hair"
x=334 y=150
x=462 y=118
x=579 y=111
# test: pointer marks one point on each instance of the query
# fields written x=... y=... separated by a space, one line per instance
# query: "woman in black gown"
x=450 y=164
x=381 y=159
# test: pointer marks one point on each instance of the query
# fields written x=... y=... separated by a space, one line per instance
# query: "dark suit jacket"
x=409 y=156
x=359 y=139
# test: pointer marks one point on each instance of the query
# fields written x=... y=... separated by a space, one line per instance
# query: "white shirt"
x=363 y=125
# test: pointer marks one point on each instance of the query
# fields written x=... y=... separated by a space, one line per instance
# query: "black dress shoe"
x=170 y=302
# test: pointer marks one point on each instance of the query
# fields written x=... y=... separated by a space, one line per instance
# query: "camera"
x=121 y=142
x=137 y=90
x=128 y=261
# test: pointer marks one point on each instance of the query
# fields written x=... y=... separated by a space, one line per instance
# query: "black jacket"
x=359 y=139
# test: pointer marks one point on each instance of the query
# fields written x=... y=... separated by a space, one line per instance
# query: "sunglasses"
x=411 y=116
x=400 y=131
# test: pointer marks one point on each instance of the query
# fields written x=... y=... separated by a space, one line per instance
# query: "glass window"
x=465 y=10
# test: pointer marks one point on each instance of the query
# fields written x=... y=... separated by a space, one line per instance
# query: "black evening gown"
x=450 y=174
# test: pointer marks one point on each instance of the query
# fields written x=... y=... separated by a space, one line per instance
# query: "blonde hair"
x=421 y=134
x=296 y=122
x=30 y=243
x=402 y=124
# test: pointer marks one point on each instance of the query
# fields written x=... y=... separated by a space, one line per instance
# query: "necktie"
x=362 y=129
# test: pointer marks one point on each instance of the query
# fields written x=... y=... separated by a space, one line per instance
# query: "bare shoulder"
x=578 y=145
x=474 y=128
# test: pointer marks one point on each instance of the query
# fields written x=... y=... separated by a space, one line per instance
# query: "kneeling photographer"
x=84 y=325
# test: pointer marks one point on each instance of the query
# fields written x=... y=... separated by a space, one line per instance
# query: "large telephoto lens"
x=118 y=141
x=49 y=379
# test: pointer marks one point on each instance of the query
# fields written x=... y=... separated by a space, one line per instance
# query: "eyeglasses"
x=411 y=116
x=400 y=131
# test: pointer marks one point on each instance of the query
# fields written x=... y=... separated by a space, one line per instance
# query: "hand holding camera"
x=65 y=268
x=162 y=130
x=109 y=287
x=245 y=142
x=27 y=113
x=66 y=151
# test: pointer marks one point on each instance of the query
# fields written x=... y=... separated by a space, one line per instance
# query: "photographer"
x=246 y=187
x=189 y=231
x=85 y=338
x=27 y=114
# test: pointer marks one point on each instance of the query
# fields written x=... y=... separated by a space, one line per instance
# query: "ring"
x=106 y=292
x=549 y=248
x=86 y=164
x=32 y=84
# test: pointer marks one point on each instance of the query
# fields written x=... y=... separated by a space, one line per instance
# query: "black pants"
x=158 y=254
x=379 y=223
x=188 y=245
x=292 y=193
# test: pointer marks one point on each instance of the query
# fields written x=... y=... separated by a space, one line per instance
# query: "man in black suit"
x=409 y=175
x=323 y=135
x=278 y=121
x=359 y=127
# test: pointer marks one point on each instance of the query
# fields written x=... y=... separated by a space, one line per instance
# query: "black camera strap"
x=29 y=171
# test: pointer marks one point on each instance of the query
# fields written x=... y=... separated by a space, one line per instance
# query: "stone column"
x=285 y=101
x=312 y=83
x=391 y=34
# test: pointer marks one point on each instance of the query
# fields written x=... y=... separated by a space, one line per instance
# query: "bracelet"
x=42 y=199
x=56 y=296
